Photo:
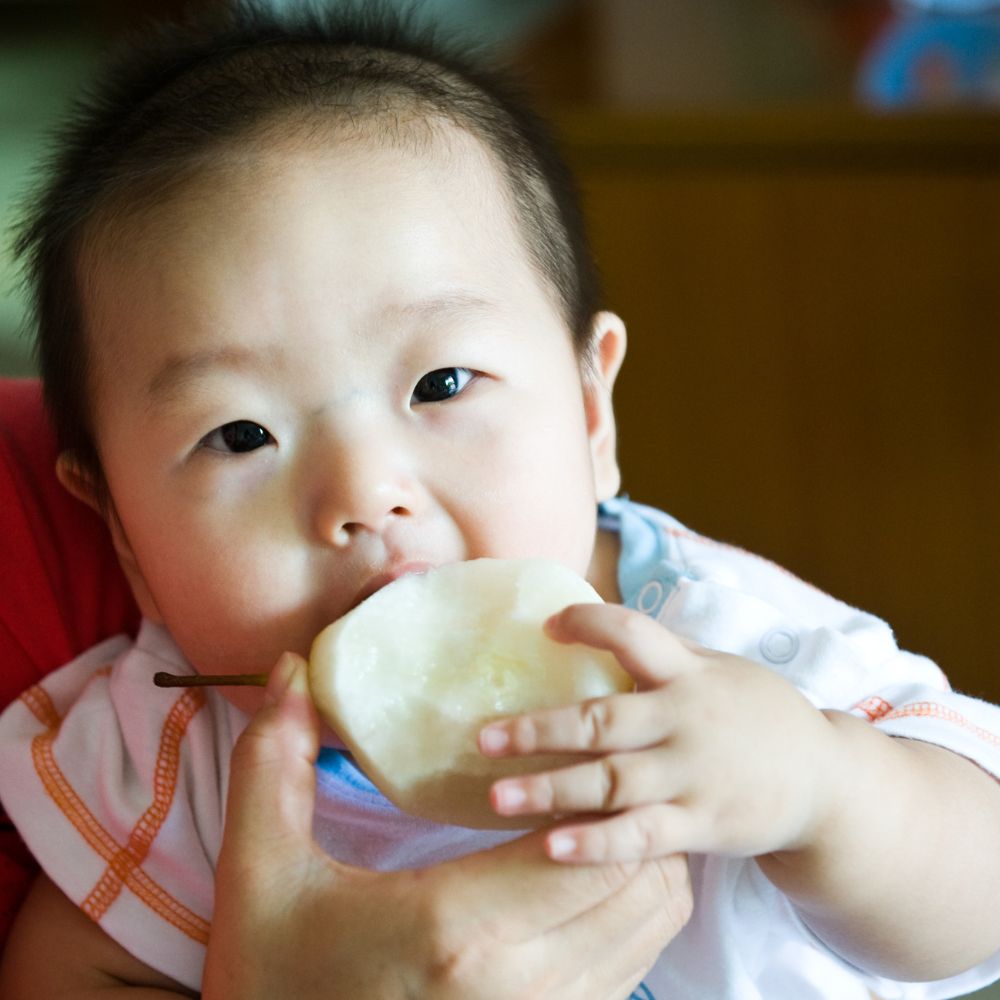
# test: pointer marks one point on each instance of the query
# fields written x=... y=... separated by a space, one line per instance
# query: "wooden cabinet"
x=813 y=302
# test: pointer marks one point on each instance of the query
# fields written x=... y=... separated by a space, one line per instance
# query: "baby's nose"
x=362 y=489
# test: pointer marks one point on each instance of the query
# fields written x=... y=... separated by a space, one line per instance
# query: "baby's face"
x=335 y=368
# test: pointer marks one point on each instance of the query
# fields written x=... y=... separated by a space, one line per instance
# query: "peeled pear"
x=409 y=677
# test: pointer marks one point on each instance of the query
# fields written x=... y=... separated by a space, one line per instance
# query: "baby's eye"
x=237 y=437
x=443 y=383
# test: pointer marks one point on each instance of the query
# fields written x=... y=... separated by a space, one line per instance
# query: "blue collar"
x=644 y=557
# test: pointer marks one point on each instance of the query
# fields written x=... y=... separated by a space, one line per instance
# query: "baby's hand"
x=712 y=754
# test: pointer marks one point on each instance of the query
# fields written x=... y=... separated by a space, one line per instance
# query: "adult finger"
x=529 y=895
x=267 y=848
x=654 y=906
x=272 y=780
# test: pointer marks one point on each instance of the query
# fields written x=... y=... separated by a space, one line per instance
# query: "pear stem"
x=164 y=680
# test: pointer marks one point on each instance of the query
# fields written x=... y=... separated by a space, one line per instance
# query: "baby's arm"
x=55 y=950
x=907 y=870
x=888 y=847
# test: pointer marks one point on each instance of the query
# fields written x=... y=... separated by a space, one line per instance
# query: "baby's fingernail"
x=508 y=797
x=561 y=845
x=493 y=739
x=554 y=626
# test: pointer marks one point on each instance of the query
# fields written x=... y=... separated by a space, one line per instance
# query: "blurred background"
x=796 y=208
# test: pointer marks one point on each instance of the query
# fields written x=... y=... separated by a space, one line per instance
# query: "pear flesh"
x=409 y=677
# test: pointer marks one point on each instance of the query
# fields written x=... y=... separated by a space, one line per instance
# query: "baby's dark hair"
x=180 y=92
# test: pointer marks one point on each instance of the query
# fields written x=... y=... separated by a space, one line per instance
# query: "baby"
x=316 y=310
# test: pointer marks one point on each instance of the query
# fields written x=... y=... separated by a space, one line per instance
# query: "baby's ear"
x=606 y=354
x=80 y=482
x=77 y=480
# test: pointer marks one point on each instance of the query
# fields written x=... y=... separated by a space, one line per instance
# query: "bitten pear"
x=409 y=677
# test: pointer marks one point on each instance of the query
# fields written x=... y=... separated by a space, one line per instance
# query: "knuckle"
x=633 y=626
x=442 y=966
x=611 y=784
x=523 y=734
x=447 y=956
x=255 y=744
x=596 y=717
x=663 y=713
x=545 y=792
x=646 y=833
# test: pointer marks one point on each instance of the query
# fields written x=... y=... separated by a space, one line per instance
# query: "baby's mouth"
x=383 y=579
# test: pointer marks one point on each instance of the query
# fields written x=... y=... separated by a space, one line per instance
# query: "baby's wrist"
x=840 y=776
x=831 y=780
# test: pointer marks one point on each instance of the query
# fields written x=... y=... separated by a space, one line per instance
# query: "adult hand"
x=508 y=922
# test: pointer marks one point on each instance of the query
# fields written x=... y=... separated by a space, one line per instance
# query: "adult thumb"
x=272 y=780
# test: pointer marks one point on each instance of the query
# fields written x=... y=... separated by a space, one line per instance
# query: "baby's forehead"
x=236 y=167
x=394 y=157
x=299 y=174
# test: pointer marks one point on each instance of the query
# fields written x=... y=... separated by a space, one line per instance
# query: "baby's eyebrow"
x=180 y=370
x=448 y=303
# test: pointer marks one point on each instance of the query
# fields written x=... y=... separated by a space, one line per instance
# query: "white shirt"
x=118 y=786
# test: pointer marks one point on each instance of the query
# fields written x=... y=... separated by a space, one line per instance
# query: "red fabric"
x=61 y=589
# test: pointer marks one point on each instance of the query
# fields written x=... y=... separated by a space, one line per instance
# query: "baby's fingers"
x=649 y=652
x=646 y=832
x=607 y=784
x=602 y=725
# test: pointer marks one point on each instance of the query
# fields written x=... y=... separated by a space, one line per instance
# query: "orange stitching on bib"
x=37 y=700
x=124 y=862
